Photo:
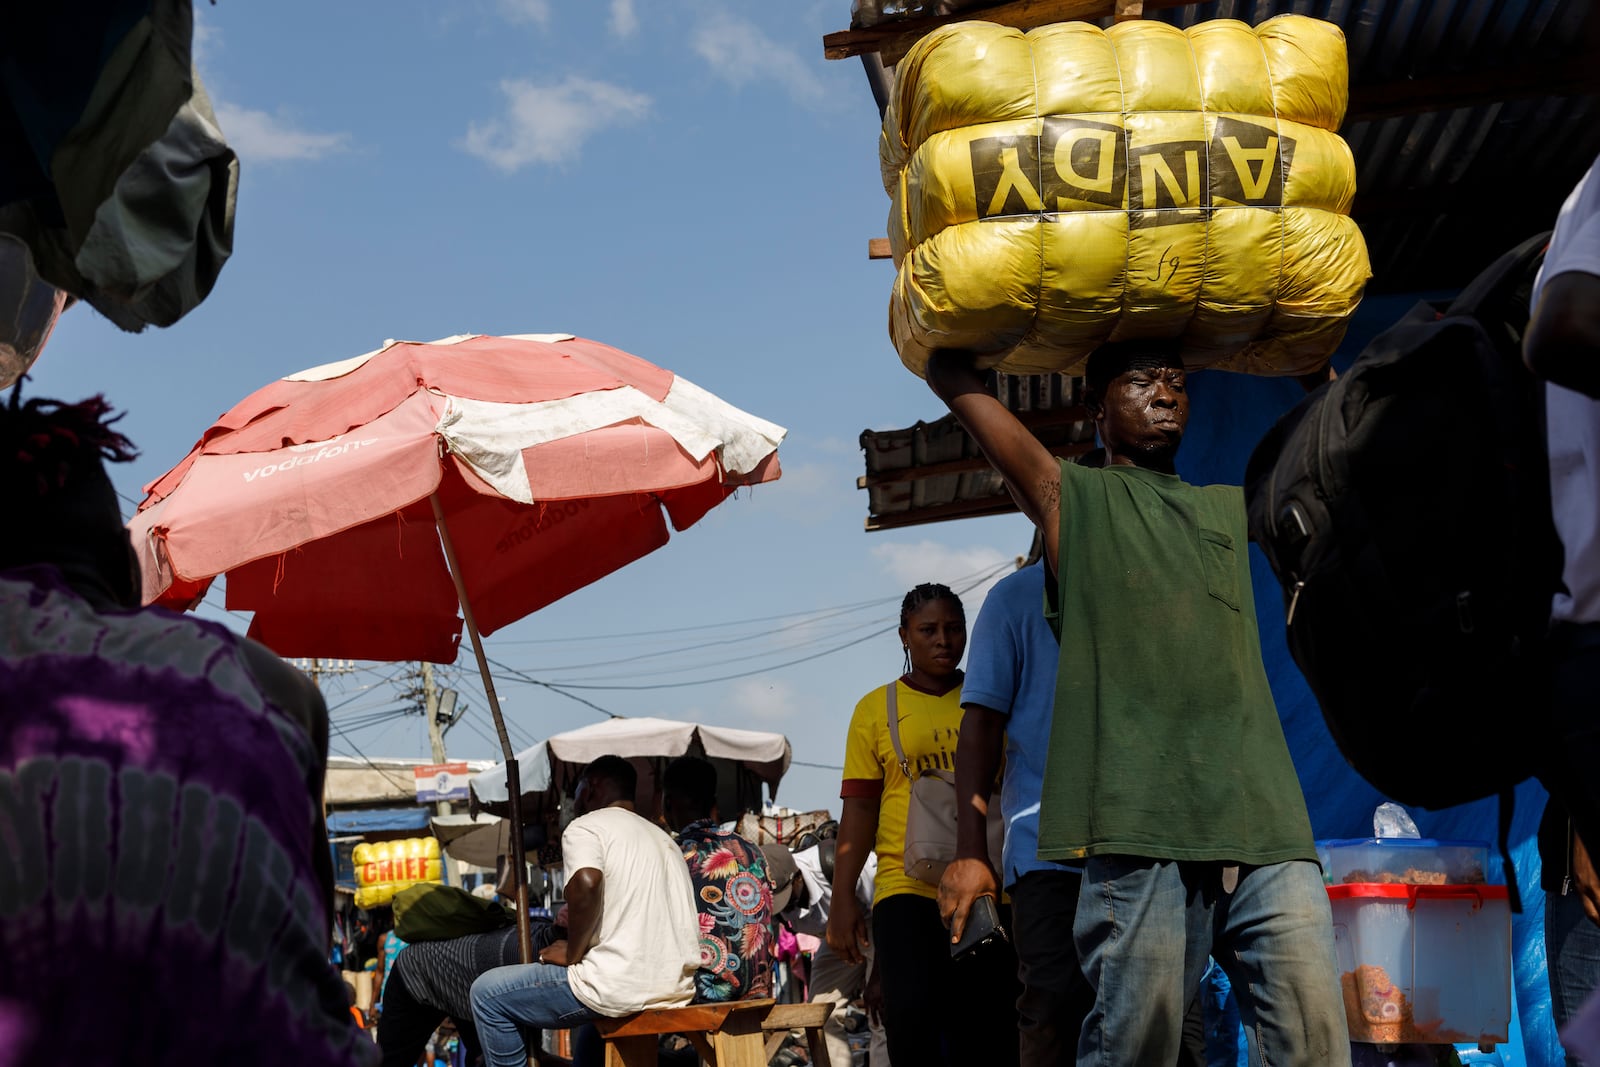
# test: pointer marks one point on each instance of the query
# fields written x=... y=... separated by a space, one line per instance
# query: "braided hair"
x=46 y=444
x=926 y=593
x=52 y=473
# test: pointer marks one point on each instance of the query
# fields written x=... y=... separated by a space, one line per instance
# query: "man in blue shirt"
x=1009 y=693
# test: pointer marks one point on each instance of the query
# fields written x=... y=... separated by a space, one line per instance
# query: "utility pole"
x=430 y=709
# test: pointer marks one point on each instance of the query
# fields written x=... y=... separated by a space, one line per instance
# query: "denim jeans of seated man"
x=528 y=996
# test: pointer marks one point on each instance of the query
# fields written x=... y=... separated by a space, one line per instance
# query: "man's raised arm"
x=1031 y=473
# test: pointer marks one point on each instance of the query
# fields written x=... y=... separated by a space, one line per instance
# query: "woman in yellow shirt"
x=935 y=1010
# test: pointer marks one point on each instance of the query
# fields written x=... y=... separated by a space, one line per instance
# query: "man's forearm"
x=1032 y=475
x=978 y=755
x=584 y=896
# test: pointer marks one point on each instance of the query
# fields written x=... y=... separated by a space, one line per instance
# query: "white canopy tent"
x=745 y=759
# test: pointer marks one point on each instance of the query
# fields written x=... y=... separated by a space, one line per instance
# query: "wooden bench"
x=741 y=1033
x=810 y=1018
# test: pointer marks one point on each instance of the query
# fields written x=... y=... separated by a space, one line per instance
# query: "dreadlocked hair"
x=926 y=593
x=47 y=442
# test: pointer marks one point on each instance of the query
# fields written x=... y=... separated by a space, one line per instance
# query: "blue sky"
x=689 y=181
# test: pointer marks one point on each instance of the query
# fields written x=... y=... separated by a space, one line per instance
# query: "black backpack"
x=1405 y=508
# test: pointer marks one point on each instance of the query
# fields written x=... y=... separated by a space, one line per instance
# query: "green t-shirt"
x=1166 y=742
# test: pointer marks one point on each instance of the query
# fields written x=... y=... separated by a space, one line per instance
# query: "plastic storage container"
x=1404 y=860
x=1429 y=964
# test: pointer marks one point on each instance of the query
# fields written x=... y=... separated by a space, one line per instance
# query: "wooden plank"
x=741 y=1042
x=665 y=1020
x=797 y=1016
x=956 y=509
x=702 y=1046
x=703 y=1017
x=878 y=248
x=636 y=1051
x=1023 y=14
x=965 y=465
x=818 y=1045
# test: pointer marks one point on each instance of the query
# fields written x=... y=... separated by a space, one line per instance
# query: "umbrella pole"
x=519 y=861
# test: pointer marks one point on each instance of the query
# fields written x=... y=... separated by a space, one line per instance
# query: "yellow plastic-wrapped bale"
x=1057 y=189
x=385 y=868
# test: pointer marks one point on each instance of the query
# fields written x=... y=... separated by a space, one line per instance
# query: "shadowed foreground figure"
x=166 y=889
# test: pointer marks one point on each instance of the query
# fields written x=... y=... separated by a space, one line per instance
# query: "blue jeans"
x=1145 y=928
x=1572 y=948
x=526 y=996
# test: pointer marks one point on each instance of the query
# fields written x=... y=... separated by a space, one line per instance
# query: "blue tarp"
x=1230 y=413
x=351 y=824
x=376 y=820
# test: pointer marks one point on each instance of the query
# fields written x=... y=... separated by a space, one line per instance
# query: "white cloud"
x=549 y=123
x=766 y=698
x=204 y=41
x=257 y=136
x=535 y=11
x=261 y=137
x=740 y=53
x=624 y=19
x=929 y=561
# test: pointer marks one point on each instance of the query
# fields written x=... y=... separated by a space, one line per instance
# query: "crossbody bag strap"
x=893 y=704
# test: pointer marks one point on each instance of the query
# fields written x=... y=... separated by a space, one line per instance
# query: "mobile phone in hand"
x=983 y=926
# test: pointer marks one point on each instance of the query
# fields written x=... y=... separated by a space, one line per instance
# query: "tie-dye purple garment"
x=158 y=898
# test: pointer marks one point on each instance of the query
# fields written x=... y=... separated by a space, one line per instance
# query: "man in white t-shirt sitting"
x=632 y=930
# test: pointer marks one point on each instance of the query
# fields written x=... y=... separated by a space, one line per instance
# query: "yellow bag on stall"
x=1056 y=189
x=385 y=868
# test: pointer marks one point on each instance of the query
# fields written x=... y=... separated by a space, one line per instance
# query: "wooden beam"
x=965 y=465
x=957 y=509
x=878 y=248
x=1023 y=14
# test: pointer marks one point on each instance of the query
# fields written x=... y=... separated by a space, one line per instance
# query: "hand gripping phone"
x=983 y=926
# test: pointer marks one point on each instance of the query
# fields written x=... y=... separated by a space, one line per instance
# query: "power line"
x=676 y=630
x=561 y=686
x=553 y=687
x=721 y=644
x=720 y=661
x=824 y=612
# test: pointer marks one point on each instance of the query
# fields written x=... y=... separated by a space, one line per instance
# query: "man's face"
x=1143 y=413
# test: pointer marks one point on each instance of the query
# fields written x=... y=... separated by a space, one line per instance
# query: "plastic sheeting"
x=1230 y=414
x=1055 y=189
x=557 y=761
x=117 y=176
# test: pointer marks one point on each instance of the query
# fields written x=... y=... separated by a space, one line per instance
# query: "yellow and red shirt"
x=929 y=728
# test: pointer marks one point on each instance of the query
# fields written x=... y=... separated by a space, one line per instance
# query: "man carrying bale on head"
x=1167 y=776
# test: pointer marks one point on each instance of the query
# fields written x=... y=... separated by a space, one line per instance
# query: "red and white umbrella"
x=554 y=460
x=357 y=506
